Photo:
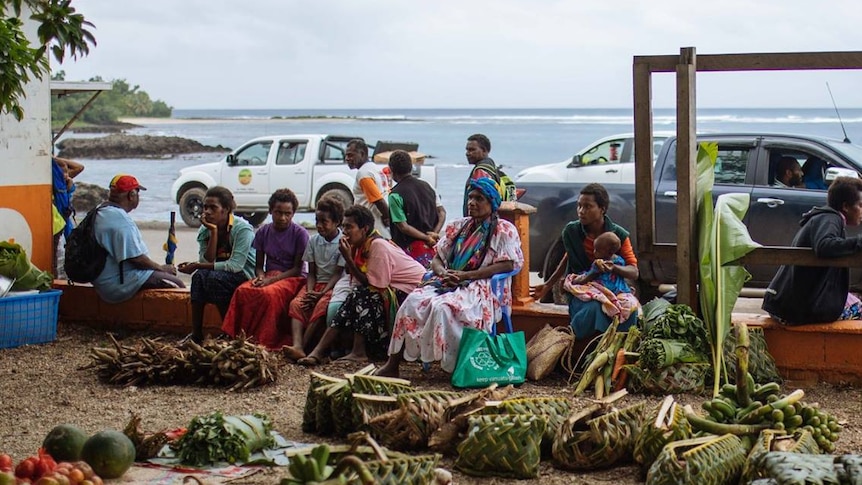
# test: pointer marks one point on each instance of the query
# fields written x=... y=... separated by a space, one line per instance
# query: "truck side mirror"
x=834 y=172
x=231 y=159
x=576 y=161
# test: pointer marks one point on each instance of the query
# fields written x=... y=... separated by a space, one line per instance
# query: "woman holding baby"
x=596 y=268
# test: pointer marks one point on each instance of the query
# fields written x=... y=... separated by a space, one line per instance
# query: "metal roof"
x=62 y=88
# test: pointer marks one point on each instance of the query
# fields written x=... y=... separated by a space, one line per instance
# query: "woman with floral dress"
x=457 y=293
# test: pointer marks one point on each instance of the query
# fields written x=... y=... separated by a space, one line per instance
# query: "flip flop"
x=311 y=361
x=293 y=354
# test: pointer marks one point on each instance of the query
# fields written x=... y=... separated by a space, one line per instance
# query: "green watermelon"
x=109 y=452
x=64 y=443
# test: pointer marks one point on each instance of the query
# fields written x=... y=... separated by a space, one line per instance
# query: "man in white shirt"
x=372 y=184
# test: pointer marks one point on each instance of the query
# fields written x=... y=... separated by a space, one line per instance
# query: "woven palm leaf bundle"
x=784 y=468
x=398 y=471
x=680 y=378
x=775 y=440
x=378 y=385
x=445 y=439
x=346 y=414
x=316 y=417
x=503 y=445
x=365 y=461
x=666 y=424
x=405 y=421
x=595 y=438
x=708 y=460
x=555 y=410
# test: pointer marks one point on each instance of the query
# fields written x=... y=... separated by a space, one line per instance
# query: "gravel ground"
x=41 y=387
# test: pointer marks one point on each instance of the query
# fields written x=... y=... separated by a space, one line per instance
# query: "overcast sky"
x=458 y=53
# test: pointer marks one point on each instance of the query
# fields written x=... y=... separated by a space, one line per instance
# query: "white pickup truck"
x=310 y=165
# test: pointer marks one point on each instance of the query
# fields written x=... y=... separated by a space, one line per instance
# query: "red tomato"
x=26 y=468
x=5 y=463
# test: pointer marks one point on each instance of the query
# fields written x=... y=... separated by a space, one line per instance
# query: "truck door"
x=247 y=174
x=292 y=170
x=734 y=170
x=775 y=209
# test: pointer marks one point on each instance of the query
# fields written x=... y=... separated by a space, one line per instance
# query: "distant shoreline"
x=287 y=119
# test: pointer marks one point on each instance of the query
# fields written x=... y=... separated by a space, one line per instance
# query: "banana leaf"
x=659 y=353
x=652 y=311
x=722 y=239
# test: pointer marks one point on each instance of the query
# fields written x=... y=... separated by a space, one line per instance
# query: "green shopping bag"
x=484 y=359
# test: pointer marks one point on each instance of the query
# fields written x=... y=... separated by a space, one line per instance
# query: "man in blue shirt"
x=128 y=267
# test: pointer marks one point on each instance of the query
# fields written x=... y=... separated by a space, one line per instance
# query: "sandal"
x=311 y=361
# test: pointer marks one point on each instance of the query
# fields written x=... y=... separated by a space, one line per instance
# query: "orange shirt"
x=626 y=250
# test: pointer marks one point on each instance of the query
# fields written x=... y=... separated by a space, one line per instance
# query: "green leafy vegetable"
x=679 y=322
x=659 y=353
x=216 y=437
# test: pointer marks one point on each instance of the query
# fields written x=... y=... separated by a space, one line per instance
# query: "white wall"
x=25 y=155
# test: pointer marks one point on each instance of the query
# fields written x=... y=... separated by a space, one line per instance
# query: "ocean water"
x=520 y=138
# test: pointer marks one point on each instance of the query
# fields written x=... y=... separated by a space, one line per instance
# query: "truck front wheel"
x=341 y=194
x=254 y=218
x=192 y=206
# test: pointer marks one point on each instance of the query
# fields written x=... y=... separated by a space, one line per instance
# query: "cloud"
x=447 y=53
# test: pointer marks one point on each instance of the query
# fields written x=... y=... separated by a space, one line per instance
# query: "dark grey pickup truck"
x=746 y=163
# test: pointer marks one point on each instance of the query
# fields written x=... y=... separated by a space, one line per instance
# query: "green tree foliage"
x=121 y=100
x=60 y=30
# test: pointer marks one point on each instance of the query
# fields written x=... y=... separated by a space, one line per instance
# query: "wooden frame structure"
x=686 y=65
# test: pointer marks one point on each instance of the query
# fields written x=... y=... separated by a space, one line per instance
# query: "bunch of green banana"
x=821 y=425
x=310 y=468
x=728 y=408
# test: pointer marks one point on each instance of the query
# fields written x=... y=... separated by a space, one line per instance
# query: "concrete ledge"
x=828 y=352
x=824 y=352
x=152 y=310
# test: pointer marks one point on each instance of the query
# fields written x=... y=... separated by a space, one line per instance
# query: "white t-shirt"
x=370 y=176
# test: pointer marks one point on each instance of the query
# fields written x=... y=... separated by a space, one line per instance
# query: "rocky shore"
x=132 y=146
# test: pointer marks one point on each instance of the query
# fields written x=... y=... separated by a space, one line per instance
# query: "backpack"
x=507 y=185
x=85 y=257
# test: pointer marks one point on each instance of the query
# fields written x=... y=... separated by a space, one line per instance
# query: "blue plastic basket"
x=29 y=319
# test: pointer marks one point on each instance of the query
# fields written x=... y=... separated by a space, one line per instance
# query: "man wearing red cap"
x=128 y=268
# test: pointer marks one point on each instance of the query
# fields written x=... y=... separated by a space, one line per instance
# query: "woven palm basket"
x=446 y=437
x=785 y=468
x=405 y=421
x=555 y=410
x=398 y=471
x=346 y=416
x=315 y=414
x=590 y=439
x=502 y=445
x=667 y=423
x=681 y=378
x=709 y=460
x=800 y=441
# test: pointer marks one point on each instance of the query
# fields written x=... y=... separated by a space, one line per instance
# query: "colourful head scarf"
x=490 y=189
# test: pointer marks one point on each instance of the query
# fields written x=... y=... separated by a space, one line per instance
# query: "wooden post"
x=644 y=193
x=686 y=155
x=519 y=214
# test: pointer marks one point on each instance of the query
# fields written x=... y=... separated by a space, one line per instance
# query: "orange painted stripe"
x=34 y=203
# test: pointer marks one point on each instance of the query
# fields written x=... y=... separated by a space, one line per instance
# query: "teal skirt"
x=587 y=318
